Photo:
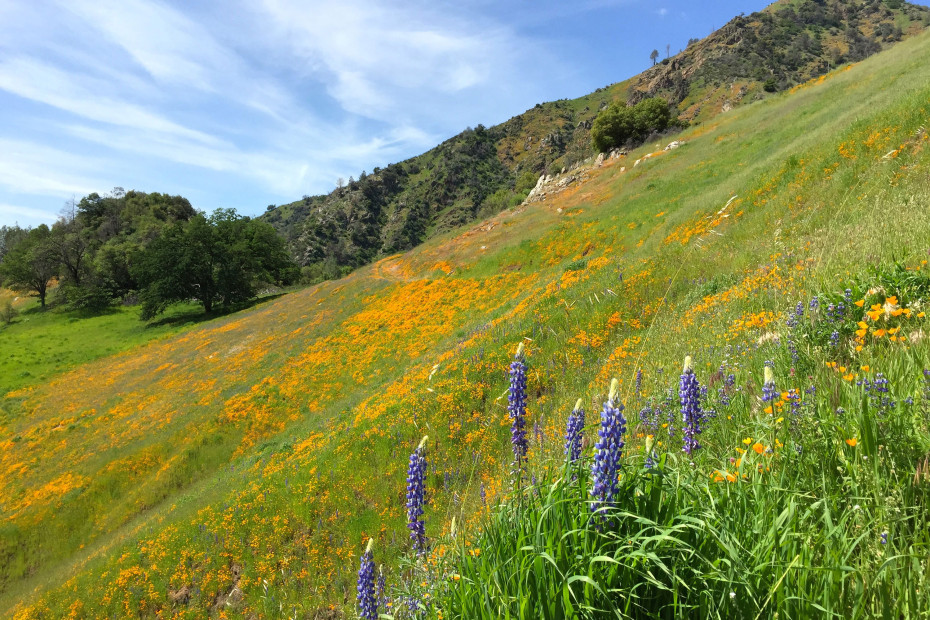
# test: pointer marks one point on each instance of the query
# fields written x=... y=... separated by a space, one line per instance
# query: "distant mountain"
x=482 y=171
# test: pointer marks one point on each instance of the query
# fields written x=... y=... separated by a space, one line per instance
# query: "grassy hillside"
x=238 y=468
x=482 y=171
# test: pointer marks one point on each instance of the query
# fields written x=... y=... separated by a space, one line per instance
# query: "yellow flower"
x=747 y=441
x=758 y=447
x=864 y=368
x=860 y=303
x=852 y=442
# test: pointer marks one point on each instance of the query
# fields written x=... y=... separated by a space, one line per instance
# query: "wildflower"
x=517 y=407
x=758 y=448
x=416 y=474
x=650 y=455
x=852 y=442
x=608 y=451
x=573 y=432
x=689 y=393
x=381 y=597
x=835 y=339
x=769 y=393
x=367 y=603
x=639 y=382
x=884 y=539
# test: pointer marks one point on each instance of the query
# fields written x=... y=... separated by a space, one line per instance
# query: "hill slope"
x=238 y=468
x=484 y=170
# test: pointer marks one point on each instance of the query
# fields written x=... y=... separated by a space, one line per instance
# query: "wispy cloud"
x=14 y=213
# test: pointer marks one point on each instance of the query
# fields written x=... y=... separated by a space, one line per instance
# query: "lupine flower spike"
x=573 y=432
x=769 y=392
x=416 y=474
x=608 y=451
x=517 y=408
x=650 y=455
x=689 y=394
x=367 y=603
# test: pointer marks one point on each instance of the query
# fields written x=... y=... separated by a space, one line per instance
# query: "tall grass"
x=829 y=516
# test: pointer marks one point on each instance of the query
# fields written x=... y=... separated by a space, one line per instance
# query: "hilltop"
x=239 y=467
x=484 y=170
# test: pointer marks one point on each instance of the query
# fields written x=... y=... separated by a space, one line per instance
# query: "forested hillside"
x=484 y=170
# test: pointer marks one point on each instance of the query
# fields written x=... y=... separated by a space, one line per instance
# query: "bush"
x=620 y=124
x=7 y=311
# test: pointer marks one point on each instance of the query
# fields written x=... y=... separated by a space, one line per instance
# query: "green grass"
x=40 y=344
x=257 y=453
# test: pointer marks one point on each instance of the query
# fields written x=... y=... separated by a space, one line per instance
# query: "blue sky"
x=244 y=104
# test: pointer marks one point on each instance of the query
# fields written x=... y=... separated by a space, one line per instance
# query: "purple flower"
x=769 y=391
x=689 y=394
x=381 y=597
x=517 y=407
x=608 y=451
x=835 y=339
x=573 y=433
x=639 y=382
x=416 y=475
x=367 y=603
x=815 y=303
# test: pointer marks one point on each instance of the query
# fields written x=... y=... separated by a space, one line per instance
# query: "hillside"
x=482 y=171
x=237 y=469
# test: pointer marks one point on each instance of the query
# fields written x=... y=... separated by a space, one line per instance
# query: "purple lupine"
x=416 y=476
x=367 y=603
x=669 y=402
x=639 y=383
x=573 y=432
x=814 y=303
x=517 y=408
x=608 y=451
x=835 y=339
x=380 y=594
x=650 y=462
x=769 y=391
x=689 y=394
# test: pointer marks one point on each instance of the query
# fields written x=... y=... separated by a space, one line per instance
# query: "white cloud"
x=386 y=61
x=13 y=212
x=29 y=168
x=83 y=96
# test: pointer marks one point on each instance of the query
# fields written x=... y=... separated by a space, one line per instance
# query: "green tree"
x=650 y=115
x=619 y=124
x=10 y=236
x=653 y=56
x=220 y=259
x=31 y=264
x=612 y=128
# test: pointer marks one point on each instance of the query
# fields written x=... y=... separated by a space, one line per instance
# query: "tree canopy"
x=620 y=124
x=32 y=263
x=152 y=247
x=219 y=259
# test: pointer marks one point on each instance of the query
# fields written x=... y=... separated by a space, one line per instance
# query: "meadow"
x=239 y=468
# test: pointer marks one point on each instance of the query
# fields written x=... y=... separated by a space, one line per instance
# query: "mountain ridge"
x=483 y=170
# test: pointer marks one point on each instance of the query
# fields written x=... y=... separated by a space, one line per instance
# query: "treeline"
x=149 y=248
x=396 y=208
